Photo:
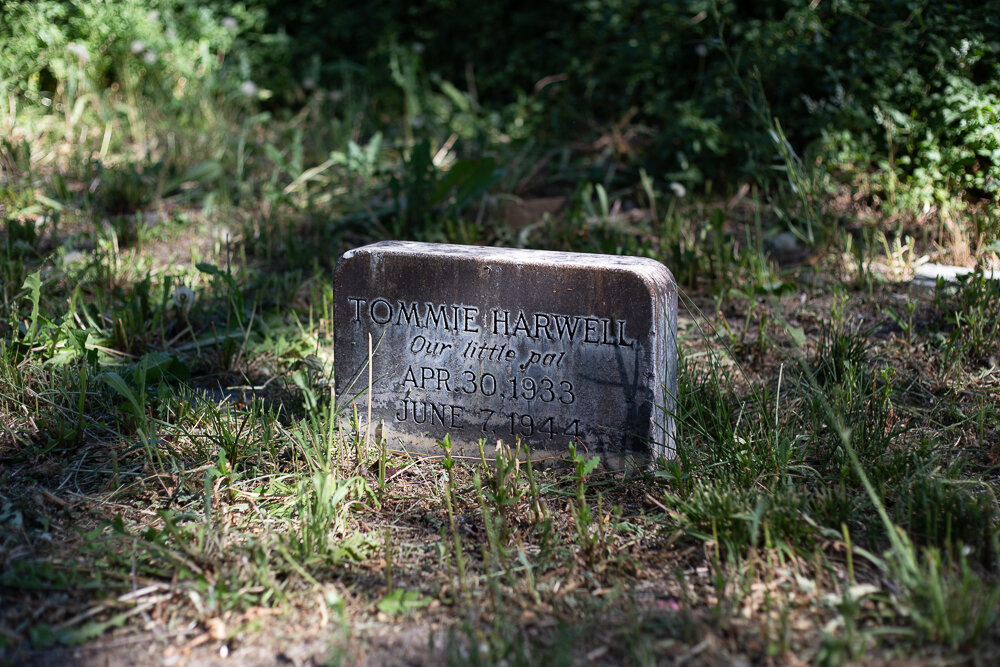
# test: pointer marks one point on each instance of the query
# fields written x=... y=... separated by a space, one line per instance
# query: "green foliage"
x=737 y=519
x=591 y=529
x=947 y=602
x=906 y=87
x=22 y=237
x=429 y=202
x=948 y=512
x=928 y=75
x=972 y=312
x=503 y=488
x=322 y=503
x=401 y=601
x=56 y=52
x=43 y=575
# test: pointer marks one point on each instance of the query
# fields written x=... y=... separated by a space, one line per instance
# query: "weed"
x=841 y=377
x=448 y=463
x=948 y=513
x=972 y=312
x=429 y=204
x=947 y=603
x=503 y=486
x=591 y=528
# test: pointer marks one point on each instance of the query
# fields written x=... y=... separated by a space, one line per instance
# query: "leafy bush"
x=905 y=89
x=904 y=85
x=164 y=50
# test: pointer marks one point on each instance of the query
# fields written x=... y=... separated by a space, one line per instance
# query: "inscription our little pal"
x=487 y=343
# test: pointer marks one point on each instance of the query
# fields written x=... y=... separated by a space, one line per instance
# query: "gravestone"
x=498 y=344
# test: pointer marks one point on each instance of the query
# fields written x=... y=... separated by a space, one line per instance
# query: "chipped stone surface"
x=492 y=343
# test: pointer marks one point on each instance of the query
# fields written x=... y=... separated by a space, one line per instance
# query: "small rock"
x=785 y=248
x=927 y=274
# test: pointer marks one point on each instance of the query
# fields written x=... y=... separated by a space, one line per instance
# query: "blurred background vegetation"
x=896 y=99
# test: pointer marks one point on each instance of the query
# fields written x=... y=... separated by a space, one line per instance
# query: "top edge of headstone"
x=645 y=266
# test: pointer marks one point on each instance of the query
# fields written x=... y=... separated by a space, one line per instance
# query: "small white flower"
x=80 y=51
x=149 y=57
x=678 y=189
x=153 y=15
x=183 y=297
x=418 y=47
x=701 y=50
x=137 y=46
x=249 y=88
x=229 y=23
x=308 y=83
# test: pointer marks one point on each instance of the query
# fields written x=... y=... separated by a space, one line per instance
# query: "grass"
x=828 y=499
x=178 y=479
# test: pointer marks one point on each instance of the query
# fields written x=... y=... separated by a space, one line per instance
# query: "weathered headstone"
x=493 y=343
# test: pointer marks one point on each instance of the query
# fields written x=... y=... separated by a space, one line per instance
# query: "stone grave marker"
x=494 y=343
